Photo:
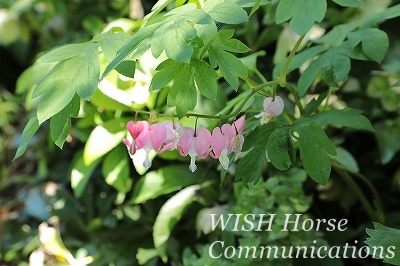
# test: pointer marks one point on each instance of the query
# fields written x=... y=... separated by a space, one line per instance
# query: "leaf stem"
x=376 y=215
x=282 y=76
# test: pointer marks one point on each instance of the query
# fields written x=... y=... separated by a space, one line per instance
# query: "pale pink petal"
x=158 y=133
x=266 y=104
x=143 y=139
x=185 y=142
x=229 y=133
x=276 y=107
x=202 y=142
x=217 y=143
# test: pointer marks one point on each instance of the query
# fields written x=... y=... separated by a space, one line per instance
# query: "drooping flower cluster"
x=164 y=136
x=272 y=107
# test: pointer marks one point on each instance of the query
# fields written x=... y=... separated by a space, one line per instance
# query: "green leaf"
x=75 y=75
x=81 y=173
x=115 y=170
x=164 y=181
x=230 y=66
x=314 y=146
x=333 y=64
x=255 y=160
x=255 y=7
x=183 y=93
x=64 y=52
x=351 y=3
x=346 y=117
x=374 y=42
x=127 y=68
x=60 y=124
x=205 y=78
x=302 y=13
x=167 y=71
x=386 y=239
x=278 y=148
x=103 y=139
x=186 y=78
x=346 y=159
x=170 y=213
x=129 y=47
x=31 y=127
x=177 y=34
x=174 y=37
x=110 y=42
x=225 y=11
x=155 y=10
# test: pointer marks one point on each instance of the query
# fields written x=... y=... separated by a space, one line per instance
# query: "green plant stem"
x=238 y=110
x=375 y=215
x=282 y=76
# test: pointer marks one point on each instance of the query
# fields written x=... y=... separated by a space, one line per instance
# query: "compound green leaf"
x=224 y=11
x=170 y=213
x=60 y=123
x=30 y=129
x=301 y=13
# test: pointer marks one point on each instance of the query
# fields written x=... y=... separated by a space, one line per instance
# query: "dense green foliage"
x=332 y=154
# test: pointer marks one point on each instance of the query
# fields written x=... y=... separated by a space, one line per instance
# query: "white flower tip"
x=224 y=160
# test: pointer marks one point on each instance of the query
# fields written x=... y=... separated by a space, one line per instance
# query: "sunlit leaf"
x=163 y=181
x=170 y=213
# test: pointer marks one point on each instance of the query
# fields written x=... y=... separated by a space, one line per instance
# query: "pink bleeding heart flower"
x=238 y=139
x=134 y=129
x=195 y=144
x=151 y=138
x=174 y=133
x=272 y=107
x=221 y=142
